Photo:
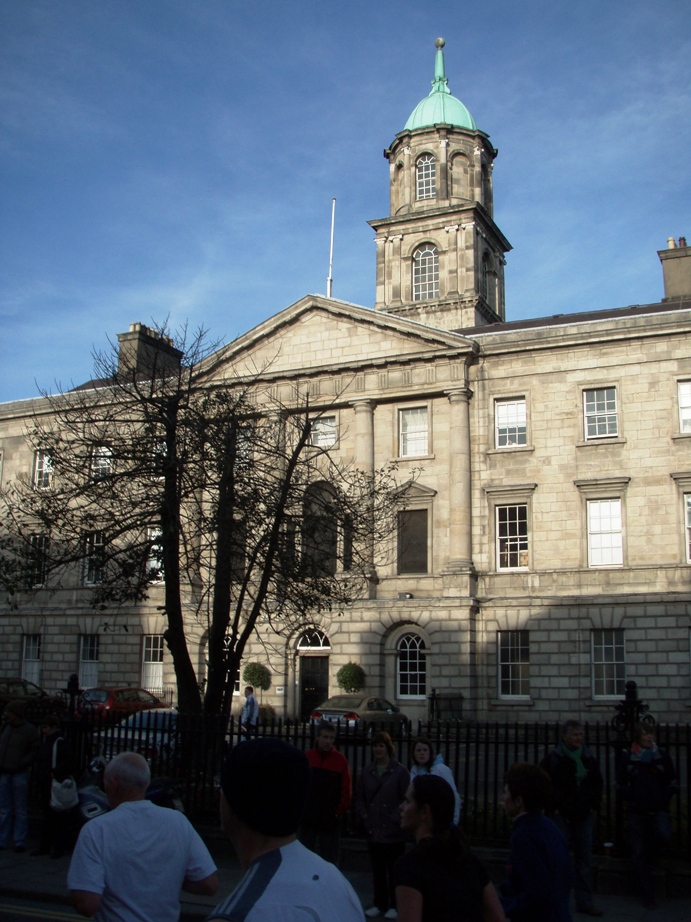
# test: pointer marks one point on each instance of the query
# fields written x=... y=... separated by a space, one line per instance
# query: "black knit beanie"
x=266 y=783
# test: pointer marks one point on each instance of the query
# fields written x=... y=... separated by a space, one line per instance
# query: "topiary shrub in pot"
x=351 y=677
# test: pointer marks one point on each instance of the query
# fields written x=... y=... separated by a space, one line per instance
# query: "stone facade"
x=553 y=494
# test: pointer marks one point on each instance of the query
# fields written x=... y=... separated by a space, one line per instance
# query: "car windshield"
x=96 y=695
x=343 y=701
x=150 y=719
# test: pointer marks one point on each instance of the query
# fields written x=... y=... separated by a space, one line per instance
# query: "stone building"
x=545 y=554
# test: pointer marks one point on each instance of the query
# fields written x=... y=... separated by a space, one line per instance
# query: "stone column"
x=460 y=560
x=364 y=459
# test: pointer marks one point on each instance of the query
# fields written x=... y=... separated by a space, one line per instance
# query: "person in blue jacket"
x=538 y=880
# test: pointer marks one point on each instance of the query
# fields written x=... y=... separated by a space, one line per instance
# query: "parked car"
x=38 y=702
x=356 y=710
x=112 y=704
x=150 y=733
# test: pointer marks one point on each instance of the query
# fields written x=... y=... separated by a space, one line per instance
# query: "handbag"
x=63 y=794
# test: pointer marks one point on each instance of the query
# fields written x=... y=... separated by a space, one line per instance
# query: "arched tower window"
x=426 y=177
x=411 y=672
x=425 y=272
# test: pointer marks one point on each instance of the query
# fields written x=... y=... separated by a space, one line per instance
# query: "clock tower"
x=440 y=256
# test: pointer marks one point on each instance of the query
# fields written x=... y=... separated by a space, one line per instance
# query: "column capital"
x=458 y=394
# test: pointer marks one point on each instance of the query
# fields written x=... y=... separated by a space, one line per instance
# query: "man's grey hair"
x=570 y=725
x=130 y=770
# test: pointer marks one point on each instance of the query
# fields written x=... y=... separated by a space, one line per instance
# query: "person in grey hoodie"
x=426 y=763
x=18 y=744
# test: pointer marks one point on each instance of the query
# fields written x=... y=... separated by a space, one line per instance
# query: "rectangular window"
x=101 y=462
x=323 y=431
x=39 y=560
x=608 y=663
x=509 y=423
x=152 y=663
x=154 y=562
x=43 y=471
x=685 y=406
x=514 y=664
x=687 y=522
x=605 y=538
x=31 y=658
x=412 y=541
x=512 y=537
x=88 y=660
x=413 y=431
x=600 y=413
x=94 y=557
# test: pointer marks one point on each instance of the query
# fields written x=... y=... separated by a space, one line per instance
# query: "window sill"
x=415 y=458
x=510 y=449
x=609 y=440
x=514 y=701
x=606 y=701
x=513 y=570
x=680 y=436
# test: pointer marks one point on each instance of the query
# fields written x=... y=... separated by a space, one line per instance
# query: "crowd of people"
x=284 y=811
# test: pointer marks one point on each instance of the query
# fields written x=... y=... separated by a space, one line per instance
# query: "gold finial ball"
x=439 y=43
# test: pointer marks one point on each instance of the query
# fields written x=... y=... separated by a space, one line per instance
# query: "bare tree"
x=157 y=470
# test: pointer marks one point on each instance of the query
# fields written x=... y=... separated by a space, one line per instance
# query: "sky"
x=169 y=160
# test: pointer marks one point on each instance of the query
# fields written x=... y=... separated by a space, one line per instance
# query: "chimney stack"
x=144 y=351
x=676 y=269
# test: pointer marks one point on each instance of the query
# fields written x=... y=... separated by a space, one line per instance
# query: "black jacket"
x=647 y=787
x=573 y=801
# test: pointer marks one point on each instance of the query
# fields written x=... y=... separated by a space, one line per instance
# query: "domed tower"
x=440 y=256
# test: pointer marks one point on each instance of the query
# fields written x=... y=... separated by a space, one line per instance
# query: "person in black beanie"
x=265 y=784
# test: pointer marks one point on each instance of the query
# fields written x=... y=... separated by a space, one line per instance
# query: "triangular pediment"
x=318 y=333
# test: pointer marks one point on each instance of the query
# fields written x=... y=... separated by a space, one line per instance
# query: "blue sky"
x=161 y=158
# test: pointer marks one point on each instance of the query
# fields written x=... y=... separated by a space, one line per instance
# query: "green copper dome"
x=440 y=105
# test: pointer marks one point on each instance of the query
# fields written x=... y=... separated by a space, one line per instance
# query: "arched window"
x=411 y=672
x=426 y=177
x=320 y=530
x=313 y=639
x=425 y=272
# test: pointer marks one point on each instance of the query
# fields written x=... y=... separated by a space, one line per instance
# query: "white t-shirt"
x=137 y=857
x=291 y=884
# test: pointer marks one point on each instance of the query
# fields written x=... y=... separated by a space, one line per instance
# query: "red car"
x=113 y=704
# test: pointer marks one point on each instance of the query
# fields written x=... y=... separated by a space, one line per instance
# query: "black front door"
x=314 y=683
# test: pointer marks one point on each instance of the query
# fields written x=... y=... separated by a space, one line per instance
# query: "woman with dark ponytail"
x=440 y=880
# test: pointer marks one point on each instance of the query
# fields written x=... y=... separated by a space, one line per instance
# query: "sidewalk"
x=43 y=878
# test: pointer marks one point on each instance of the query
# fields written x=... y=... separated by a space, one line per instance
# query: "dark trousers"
x=323 y=842
x=579 y=836
x=649 y=836
x=383 y=856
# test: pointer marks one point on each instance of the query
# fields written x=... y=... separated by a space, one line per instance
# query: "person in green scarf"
x=576 y=793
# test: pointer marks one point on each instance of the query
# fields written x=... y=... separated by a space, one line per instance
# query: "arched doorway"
x=313 y=650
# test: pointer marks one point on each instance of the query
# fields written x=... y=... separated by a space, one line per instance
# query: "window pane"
x=39 y=560
x=605 y=544
x=101 y=461
x=512 y=536
x=685 y=406
x=152 y=663
x=323 y=432
x=608 y=662
x=154 y=563
x=412 y=541
x=600 y=408
x=88 y=660
x=414 y=432
x=514 y=663
x=43 y=471
x=510 y=422
x=425 y=273
x=426 y=178
x=31 y=658
x=94 y=557
x=412 y=667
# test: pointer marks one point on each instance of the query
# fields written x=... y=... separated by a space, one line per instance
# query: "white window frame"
x=43 y=470
x=605 y=527
x=153 y=646
x=94 y=542
x=513 y=664
x=600 y=413
x=101 y=462
x=425 y=266
x=425 y=177
x=512 y=530
x=89 y=648
x=510 y=422
x=608 y=662
x=414 y=432
x=31 y=658
x=324 y=431
x=411 y=650
x=684 y=400
x=154 y=561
